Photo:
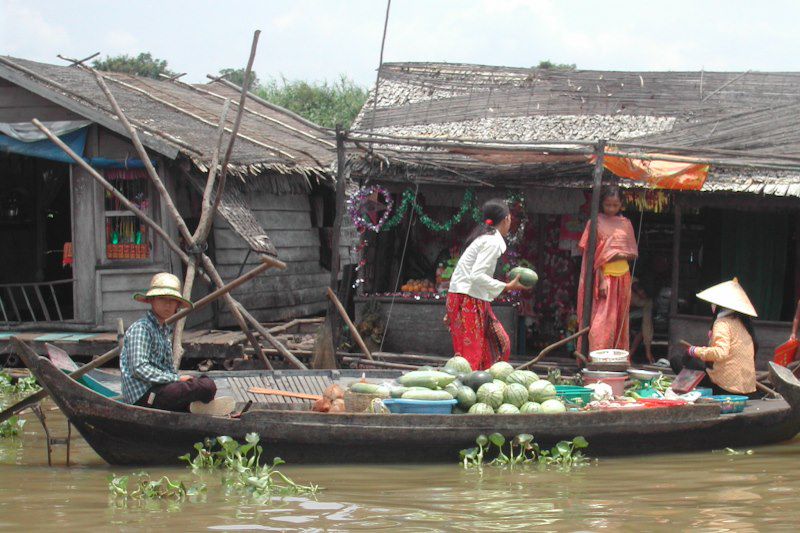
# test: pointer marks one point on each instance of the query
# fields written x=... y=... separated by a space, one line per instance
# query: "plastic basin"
x=617 y=384
x=420 y=407
x=705 y=392
x=574 y=394
x=730 y=403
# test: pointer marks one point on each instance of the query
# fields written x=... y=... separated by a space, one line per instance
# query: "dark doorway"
x=35 y=237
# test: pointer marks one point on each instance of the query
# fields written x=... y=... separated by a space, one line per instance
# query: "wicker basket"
x=358 y=402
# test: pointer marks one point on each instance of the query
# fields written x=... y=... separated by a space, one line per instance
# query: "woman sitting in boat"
x=149 y=378
x=477 y=334
x=611 y=290
x=729 y=361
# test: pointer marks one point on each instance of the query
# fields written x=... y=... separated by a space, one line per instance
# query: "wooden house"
x=441 y=129
x=72 y=256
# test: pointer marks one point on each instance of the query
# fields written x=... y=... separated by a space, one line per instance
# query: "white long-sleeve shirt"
x=474 y=273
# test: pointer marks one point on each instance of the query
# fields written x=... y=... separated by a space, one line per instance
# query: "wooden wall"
x=20 y=105
x=297 y=291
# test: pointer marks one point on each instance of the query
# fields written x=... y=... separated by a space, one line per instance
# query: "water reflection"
x=707 y=491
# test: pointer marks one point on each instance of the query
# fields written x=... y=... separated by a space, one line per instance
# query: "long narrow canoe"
x=126 y=434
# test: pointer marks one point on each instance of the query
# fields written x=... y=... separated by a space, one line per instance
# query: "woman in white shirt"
x=477 y=334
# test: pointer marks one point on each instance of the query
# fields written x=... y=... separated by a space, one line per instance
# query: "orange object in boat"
x=786 y=352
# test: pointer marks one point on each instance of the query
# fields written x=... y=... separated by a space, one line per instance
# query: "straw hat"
x=729 y=295
x=166 y=285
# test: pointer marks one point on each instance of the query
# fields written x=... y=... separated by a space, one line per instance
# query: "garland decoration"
x=409 y=200
x=364 y=204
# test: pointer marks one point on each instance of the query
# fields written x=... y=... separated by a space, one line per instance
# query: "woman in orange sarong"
x=611 y=290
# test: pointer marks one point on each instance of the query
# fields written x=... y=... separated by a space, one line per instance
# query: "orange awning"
x=660 y=174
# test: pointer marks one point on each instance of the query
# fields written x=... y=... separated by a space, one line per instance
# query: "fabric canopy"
x=660 y=174
x=18 y=139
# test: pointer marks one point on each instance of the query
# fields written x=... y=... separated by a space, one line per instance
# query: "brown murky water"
x=707 y=491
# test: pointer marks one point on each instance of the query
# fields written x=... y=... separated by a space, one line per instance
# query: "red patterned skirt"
x=477 y=334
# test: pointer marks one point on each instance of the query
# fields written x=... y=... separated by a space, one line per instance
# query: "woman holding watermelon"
x=611 y=291
x=477 y=334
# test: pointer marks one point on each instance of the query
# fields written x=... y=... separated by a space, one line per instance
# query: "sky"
x=319 y=40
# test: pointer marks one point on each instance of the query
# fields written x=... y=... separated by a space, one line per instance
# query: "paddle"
x=288 y=394
x=552 y=347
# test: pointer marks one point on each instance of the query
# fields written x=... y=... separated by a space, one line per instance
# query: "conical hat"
x=729 y=295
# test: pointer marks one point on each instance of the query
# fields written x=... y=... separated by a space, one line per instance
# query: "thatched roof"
x=178 y=118
x=475 y=122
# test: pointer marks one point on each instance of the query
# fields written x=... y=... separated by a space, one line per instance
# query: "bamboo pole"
x=588 y=279
x=173 y=211
x=552 y=347
x=353 y=330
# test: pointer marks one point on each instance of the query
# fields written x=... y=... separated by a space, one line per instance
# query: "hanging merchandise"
x=364 y=205
x=648 y=200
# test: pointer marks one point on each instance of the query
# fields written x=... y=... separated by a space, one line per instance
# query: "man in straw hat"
x=729 y=360
x=149 y=378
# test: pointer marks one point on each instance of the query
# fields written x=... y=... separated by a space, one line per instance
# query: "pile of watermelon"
x=500 y=389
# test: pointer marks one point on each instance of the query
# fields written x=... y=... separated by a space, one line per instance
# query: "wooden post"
x=588 y=280
x=676 y=259
x=353 y=331
x=341 y=187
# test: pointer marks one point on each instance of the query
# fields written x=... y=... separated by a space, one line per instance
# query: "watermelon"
x=541 y=390
x=515 y=394
x=523 y=377
x=527 y=277
x=491 y=395
x=507 y=409
x=501 y=384
x=481 y=409
x=476 y=379
x=451 y=371
x=429 y=395
x=466 y=397
x=459 y=364
x=453 y=388
x=431 y=379
x=500 y=370
x=530 y=408
x=553 y=406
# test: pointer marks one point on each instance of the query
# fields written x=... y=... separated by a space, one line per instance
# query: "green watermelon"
x=515 y=394
x=501 y=384
x=481 y=409
x=500 y=370
x=491 y=395
x=453 y=388
x=459 y=364
x=523 y=377
x=527 y=277
x=466 y=397
x=530 y=408
x=541 y=390
x=553 y=406
x=477 y=378
x=507 y=409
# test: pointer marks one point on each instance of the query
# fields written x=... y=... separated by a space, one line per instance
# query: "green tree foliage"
x=236 y=75
x=323 y=103
x=142 y=65
x=547 y=64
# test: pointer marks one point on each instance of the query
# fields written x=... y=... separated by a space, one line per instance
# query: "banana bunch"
x=650 y=200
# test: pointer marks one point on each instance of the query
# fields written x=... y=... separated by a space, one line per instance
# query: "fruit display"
x=418 y=285
x=453 y=389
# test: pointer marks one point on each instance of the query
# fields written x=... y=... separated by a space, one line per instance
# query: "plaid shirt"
x=146 y=358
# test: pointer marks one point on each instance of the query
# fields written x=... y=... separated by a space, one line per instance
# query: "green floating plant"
x=141 y=487
x=522 y=450
x=11 y=385
x=11 y=427
x=244 y=468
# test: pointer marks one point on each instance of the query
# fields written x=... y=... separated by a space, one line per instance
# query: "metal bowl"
x=601 y=374
x=643 y=375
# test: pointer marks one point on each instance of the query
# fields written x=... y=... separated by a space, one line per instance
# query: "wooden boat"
x=125 y=434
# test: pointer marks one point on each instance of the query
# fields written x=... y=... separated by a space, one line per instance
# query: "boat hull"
x=128 y=435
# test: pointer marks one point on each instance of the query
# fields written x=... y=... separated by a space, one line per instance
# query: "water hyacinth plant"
x=145 y=488
x=11 y=385
x=11 y=427
x=523 y=450
x=243 y=467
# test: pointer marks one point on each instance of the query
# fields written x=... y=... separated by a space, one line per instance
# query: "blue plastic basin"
x=420 y=407
x=731 y=403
